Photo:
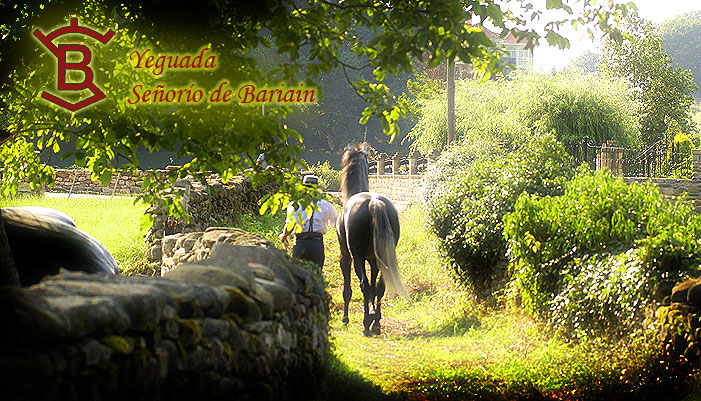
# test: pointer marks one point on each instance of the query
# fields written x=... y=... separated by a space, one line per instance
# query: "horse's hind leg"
x=347 y=291
x=368 y=293
x=379 y=293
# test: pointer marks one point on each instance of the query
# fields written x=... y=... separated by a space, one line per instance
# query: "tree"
x=663 y=92
x=681 y=38
x=587 y=62
x=227 y=138
x=505 y=111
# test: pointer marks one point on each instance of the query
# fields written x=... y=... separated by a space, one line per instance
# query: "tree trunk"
x=451 y=100
x=8 y=272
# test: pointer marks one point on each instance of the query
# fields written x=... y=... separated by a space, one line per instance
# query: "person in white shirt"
x=309 y=243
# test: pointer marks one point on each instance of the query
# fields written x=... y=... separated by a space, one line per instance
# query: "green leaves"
x=555 y=39
x=573 y=105
x=603 y=244
x=663 y=92
x=467 y=213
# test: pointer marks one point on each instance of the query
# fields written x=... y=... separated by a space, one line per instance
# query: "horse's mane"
x=354 y=172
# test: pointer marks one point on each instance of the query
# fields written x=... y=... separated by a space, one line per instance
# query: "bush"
x=587 y=260
x=683 y=145
x=329 y=178
x=468 y=216
x=442 y=175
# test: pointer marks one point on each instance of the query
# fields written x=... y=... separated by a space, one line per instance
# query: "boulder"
x=681 y=290
x=42 y=243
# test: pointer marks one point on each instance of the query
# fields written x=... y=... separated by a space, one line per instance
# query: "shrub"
x=587 y=259
x=329 y=178
x=442 y=174
x=468 y=216
x=683 y=145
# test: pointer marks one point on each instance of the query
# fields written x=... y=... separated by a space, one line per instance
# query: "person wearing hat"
x=309 y=242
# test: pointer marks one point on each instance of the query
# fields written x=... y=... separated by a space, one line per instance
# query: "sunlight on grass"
x=115 y=222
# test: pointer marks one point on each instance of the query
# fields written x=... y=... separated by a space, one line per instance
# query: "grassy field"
x=441 y=345
x=115 y=222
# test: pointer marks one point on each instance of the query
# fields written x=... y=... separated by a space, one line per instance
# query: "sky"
x=546 y=57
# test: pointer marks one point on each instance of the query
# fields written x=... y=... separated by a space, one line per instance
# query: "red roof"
x=495 y=37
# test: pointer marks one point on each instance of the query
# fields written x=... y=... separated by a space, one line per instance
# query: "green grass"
x=115 y=222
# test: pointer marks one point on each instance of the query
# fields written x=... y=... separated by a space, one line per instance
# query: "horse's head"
x=354 y=170
x=355 y=154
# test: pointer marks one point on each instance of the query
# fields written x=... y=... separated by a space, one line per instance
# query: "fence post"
x=380 y=163
x=610 y=156
x=696 y=164
x=413 y=163
x=395 y=164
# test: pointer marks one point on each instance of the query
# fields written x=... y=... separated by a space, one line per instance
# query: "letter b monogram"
x=61 y=52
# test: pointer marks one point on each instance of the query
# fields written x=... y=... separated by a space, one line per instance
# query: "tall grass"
x=115 y=222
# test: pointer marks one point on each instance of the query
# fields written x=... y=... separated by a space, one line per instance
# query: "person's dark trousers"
x=310 y=246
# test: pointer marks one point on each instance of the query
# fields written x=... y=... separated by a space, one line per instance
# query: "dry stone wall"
x=207 y=207
x=398 y=188
x=679 y=320
x=245 y=323
x=675 y=187
x=197 y=246
x=79 y=181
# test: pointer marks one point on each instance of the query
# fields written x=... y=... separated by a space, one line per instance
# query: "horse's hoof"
x=367 y=333
x=375 y=329
x=345 y=320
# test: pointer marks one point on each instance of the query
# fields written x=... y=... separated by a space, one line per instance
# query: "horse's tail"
x=385 y=243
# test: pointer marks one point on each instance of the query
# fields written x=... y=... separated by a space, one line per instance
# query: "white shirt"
x=322 y=218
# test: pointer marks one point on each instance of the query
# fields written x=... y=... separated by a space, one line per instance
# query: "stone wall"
x=219 y=204
x=246 y=323
x=398 y=188
x=197 y=246
x=675 y=187
x=405 y=188
x=78 y=181
x=679 y=321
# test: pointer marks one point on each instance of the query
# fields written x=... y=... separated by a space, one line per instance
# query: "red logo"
x=63 y=64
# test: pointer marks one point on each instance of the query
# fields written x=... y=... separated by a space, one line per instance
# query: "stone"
x=169 y=242
x=662 y=289
x=283 y=298
x=189 y=243
x=239 y=302
x=265 y=300
x=131 y=304
x=209 y=274
x=155 y=253
x=230 y=257
x=693 y=297
x=680 y=291
x=261 y=271
x=94 y=353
